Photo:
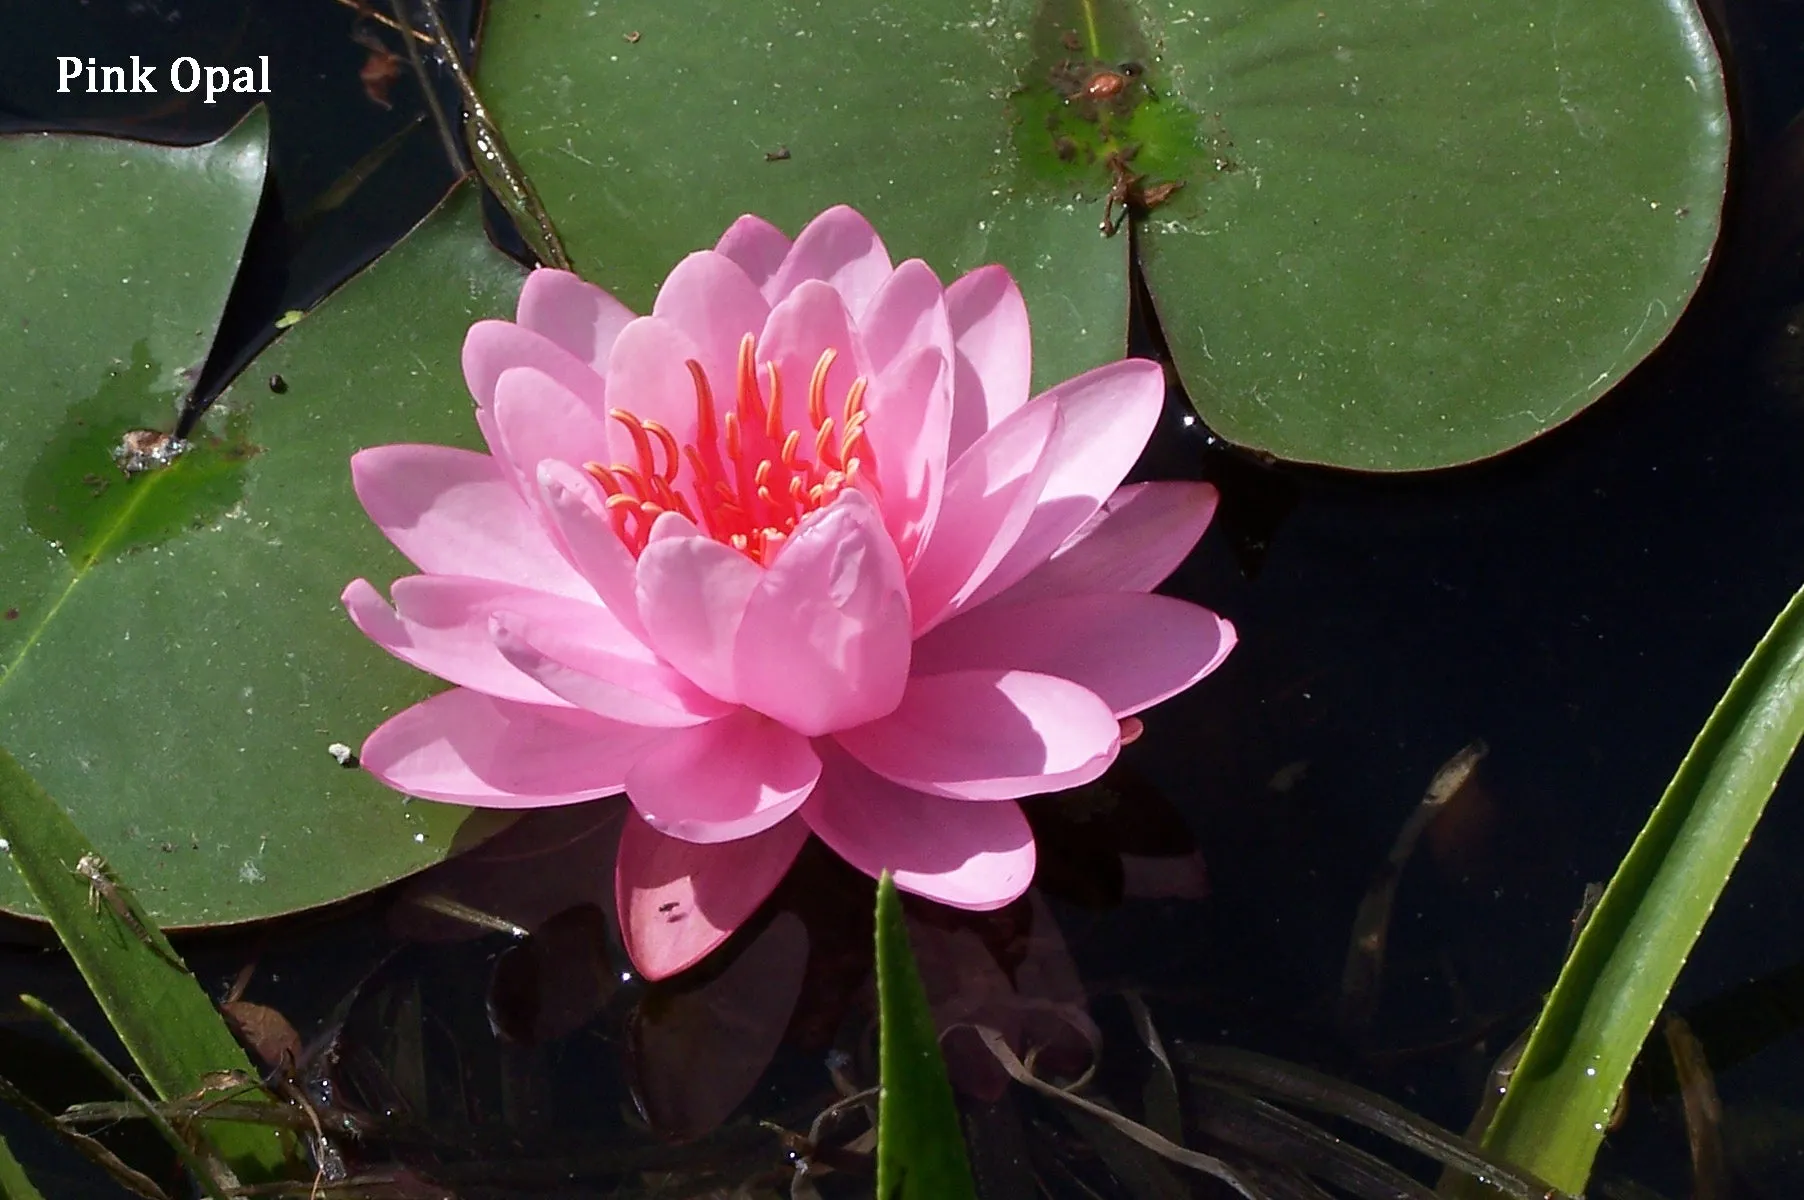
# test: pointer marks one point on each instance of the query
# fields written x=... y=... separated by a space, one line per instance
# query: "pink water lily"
x=794 y=554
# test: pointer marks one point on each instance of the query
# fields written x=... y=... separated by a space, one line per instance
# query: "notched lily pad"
x=174 y=667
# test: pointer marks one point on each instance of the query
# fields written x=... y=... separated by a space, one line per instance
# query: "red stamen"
x=632 y=476
x=667 y=439
x=773 y=421
x=604 y=477
x=747 y=480
x=817 y=387
x=704 y=404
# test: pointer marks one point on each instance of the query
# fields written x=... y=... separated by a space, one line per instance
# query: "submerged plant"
x=795 y=553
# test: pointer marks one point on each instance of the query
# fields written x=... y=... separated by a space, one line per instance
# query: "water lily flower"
x=794 y=554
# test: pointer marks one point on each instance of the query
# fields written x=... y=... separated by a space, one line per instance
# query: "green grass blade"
x=14 y=1184
x=1614 y=984
x=158 y=1009
x=920 y=1149
x=197 y=1164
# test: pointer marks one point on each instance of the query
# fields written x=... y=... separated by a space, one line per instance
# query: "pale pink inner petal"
x=989 y=735
x=646 y=377
x=1130 y=648
x=1109 y=413
x=989 y=498
x=1130 y=544
x=840 y=247
x=605 y=671
x=911 y=406
x=440 y=624
x=467 y=748
x=492 y=348
x=757 y=246
x=725 y=780
x=994 y=363
x=824 y=644
x=679 y=900
x=453 y=513
x=709 y=298
x=908 y=312
x=574 y=313
x=809 y=321
x=974 y=856
x=539 y=418
x=575 y=509
x=692 y=597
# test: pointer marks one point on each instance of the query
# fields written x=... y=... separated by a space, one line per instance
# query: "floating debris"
x=342 y=754
x=142 y=450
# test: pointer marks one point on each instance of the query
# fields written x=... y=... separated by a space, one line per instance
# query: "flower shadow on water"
x=775 y=1027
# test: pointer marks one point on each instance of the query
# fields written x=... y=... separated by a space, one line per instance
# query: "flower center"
x=748 y=479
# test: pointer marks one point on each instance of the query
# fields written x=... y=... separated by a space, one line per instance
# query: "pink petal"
x=974 y=856
x=1109 y=414
x=467 y=748
x=1129 y=648
x=452 y=513
x=538 y=419
x=757 y=246
x=647 y=378
x=575 y=512
x=440 y=623
x=671 y=526
x=994 y=361
x=1130 y=544
x=604 y=670
x=692 y=597
x=824 y=644
x=709 y=298
x=808 y=321
x=989 y=499
x=678 y=900
x=726 y=780
x=989 y=735
x=492 y=348
x=908 y=311
x=840 y=247
x=573 y=313
x=911 y=407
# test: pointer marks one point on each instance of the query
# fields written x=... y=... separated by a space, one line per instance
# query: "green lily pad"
x=174 y=665
x=646 y=149
x=1433 y=232
x=1378 y=236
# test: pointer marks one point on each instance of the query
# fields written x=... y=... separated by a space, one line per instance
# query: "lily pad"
x=173 y=664
x=1433 y=232
x=1381 y=236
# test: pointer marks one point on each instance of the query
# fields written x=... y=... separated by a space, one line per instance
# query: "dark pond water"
x=1578 y=605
